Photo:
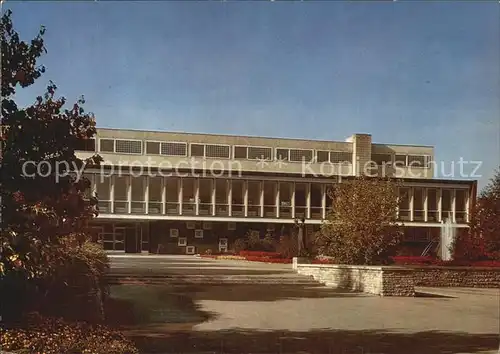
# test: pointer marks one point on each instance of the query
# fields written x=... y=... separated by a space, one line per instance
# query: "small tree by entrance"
x=361 y=227
x=483 y=237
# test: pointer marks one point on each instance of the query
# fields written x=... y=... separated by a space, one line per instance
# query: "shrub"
x=253 y=242
x=288 y=246
x=54 y=336
x=78 y=288
x=361 y=227
x=239 y=245
x=74 y=288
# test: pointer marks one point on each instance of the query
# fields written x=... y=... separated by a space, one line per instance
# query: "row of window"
x=244 y=152
x=214 y=151
x=401 y=160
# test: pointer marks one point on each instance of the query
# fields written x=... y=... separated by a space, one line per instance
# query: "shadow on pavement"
x=160 y=319
x=317 y=342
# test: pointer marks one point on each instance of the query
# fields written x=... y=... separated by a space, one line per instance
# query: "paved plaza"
x=279 y=318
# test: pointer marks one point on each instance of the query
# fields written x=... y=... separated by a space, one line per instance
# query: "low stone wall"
x=466 y=277
x=379 y=280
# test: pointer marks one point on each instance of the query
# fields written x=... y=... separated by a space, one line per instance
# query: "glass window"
x=282 y=154
x=269 y=193
x=188 y=190
x=340 y=157
x=322 y=156
x=121 y=188
x=446 y=203
x=382 y=159
x=172 y=189
x=217 y=151
x=240 y=152
x=253 y=192
x=128 y=146
x=152 y=148
x=297 y=155
x=417 y=161
x=237 y=192
x=197 y=150
x=106 y=145
x=400 y=160
x=173 y=149
x=221 y=191
x=155 y=189
x=257 y=153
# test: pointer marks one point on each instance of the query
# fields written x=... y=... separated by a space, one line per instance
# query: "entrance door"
x=131 y=240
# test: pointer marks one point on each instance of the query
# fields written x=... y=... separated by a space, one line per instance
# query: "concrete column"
x=467 y=206
x=453 y=205
x=292 y=202
x=146 y=194
x=213 y=196
x=308 y=200
x=129 y=193
x=179 y=197
x=111 y=181
x=411 y=200
x=323 y=201
x=230 y=196
x=261 y=199
x=426 y=208
x=245 y=198
x=277 y=187
x=164 y=195
x=439 y=193
x=196 y=196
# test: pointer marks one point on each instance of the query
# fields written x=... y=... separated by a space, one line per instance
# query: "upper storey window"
x=128 y=146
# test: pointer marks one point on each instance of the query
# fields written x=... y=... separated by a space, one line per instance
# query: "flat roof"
x=257 y=136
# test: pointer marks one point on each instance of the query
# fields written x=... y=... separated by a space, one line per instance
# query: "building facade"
x=183 y=193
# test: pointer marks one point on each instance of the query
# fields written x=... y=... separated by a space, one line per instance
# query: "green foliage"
x=361 y=227
x=77 y=289
x=253 y=242
x=74 y=287
x=239 y=244
x=38 y=208
x=54 y=336
x=486 y=219
x=483 y=237
x=288 y=246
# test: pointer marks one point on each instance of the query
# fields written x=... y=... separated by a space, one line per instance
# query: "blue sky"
x=406 y=72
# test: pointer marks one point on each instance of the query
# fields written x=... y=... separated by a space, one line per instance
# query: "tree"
x=361 y=227
x=483 y=238
x=42 y=197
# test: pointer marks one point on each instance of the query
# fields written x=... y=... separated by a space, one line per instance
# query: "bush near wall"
x=75 y=288
x=78 y=288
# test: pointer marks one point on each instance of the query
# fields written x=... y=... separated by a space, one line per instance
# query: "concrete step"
x=212 y=279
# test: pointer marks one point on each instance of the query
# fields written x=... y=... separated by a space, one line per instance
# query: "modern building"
x=165 y=192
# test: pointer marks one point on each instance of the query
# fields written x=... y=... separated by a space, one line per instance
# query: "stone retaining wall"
x=379 y=280
x=467 y=277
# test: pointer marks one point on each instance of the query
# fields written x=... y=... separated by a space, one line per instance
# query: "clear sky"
x=406 y=72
